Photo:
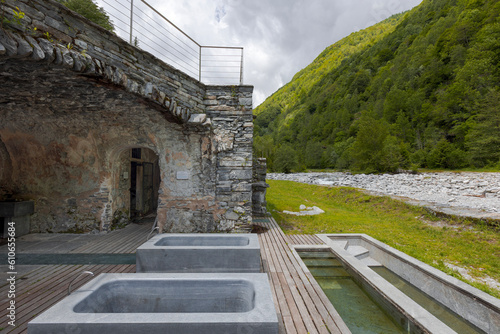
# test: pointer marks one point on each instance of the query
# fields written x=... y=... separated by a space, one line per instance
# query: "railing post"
x=241 y=68
x=199 y=73
x=131 y=21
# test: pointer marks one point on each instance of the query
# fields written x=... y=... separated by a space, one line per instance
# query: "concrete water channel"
x=364 y=312
x=377 y=289
x=359 y=310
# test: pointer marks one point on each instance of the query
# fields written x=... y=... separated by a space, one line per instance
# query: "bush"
x=91 y=11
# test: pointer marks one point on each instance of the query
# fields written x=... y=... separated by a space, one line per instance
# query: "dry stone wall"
x=259 y=187
x=230 y=110
x=75 y=98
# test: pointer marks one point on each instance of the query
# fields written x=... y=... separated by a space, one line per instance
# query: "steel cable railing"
x=143 y=26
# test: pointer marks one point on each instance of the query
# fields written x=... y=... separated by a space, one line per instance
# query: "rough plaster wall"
x=184 y=201
x=64 y=141
x=120 y=193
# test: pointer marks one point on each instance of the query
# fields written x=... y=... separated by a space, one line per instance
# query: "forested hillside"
x=420 y=89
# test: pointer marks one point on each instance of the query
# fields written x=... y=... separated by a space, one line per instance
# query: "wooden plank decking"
x=301 y=305
x=45 y=286
x=300 y=302
x=304 y=239
x=121 y=241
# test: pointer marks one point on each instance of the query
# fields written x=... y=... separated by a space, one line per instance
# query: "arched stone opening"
x=136 y=184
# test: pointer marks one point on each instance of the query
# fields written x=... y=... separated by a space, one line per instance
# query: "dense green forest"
x=420 y=89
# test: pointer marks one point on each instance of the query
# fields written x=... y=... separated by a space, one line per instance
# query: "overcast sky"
x=280 y=37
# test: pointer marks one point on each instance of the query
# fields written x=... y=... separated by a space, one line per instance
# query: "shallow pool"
x=361 y=313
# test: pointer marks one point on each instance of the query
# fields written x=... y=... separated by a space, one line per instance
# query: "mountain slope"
x=418 y=89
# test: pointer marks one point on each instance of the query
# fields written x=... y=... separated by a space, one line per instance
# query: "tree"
x=313 y=154
x=374 y=150
x=342 y=157
x=483 y=140
x=286 y=159
x=394 y=155
x=90 y=10
x=263 y=147
x=446 y=155
x=369 y=143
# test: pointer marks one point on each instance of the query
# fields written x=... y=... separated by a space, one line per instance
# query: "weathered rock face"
x=70 y=119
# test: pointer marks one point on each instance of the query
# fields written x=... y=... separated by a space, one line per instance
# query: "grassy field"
x=410 y=229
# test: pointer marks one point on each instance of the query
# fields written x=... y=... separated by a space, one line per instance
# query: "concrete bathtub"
x=164 y=303
x=202 y=253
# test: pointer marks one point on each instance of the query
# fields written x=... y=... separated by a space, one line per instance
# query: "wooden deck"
x=301 y=305
x=300 y=302
x=45 y=286
x=303 y=239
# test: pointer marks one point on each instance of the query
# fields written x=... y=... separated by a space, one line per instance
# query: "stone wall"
x=52 y=33
x=230 y=109
x=259 y=187
x=75 y=100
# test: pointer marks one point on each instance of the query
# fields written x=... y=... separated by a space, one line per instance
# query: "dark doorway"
x=144 y=183
x=133 y=189
x=147 y=186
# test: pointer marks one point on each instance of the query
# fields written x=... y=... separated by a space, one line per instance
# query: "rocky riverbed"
x=465 y=194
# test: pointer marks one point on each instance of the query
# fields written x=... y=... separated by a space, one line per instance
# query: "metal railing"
x=143 y=26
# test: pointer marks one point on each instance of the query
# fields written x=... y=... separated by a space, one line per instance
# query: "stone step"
x=370 y=262
x=340 y=243
x=358 y=251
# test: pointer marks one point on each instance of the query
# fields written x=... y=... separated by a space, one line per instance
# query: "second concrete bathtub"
x=199 y=253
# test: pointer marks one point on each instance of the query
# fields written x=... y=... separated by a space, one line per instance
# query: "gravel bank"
x=465 y=194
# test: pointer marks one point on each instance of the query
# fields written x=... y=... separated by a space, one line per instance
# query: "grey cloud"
x=280 y=37
x=293 y=32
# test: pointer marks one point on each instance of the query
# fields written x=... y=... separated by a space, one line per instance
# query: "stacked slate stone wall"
x=259 y=187
x=230 y=109
x=76 y=97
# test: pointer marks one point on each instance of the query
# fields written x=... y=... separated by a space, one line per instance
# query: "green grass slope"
x=438 y=242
